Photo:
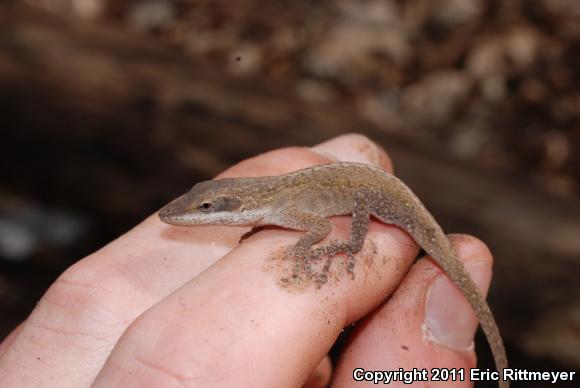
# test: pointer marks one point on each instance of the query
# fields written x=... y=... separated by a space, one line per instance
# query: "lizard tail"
x=401 y=207
x=444 y=255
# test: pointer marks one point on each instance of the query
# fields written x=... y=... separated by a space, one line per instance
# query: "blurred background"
x=110 y=108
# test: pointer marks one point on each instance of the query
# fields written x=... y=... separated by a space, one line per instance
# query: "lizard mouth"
x=172 y=214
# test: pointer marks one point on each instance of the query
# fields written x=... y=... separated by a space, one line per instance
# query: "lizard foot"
x=331 y=250
x=305 y=259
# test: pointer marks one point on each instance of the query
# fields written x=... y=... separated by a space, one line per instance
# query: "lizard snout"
x=172 y=213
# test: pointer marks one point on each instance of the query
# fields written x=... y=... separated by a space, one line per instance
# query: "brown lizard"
x=304 y=199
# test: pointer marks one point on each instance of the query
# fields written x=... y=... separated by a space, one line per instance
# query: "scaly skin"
x=304 y=199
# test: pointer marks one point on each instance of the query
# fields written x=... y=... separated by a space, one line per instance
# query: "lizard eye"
x=206 y=205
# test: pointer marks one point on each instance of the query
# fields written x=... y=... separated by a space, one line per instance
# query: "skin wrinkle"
x=64 y=280
x=90 y=346
x=85 y=302
x=64 y=332
x=176 y=377
x=59 y=293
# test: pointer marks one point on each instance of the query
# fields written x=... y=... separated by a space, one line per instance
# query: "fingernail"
x=353 y=148
x=449 y=318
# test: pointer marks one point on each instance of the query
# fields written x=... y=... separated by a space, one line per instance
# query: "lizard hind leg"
x=358 y=230
x=360 y=220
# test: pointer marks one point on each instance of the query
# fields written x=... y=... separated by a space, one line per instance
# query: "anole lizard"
x=304 y=199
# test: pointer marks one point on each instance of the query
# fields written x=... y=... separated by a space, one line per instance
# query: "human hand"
x=167 y=306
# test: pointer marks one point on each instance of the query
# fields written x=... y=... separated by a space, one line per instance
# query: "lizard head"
x=210 y=203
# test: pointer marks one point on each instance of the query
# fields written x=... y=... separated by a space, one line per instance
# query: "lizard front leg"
x=316 y=227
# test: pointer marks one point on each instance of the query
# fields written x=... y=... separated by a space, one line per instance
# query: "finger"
x=238 y=319
x=83 y=314
x=354 y=148
x=426 y=324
